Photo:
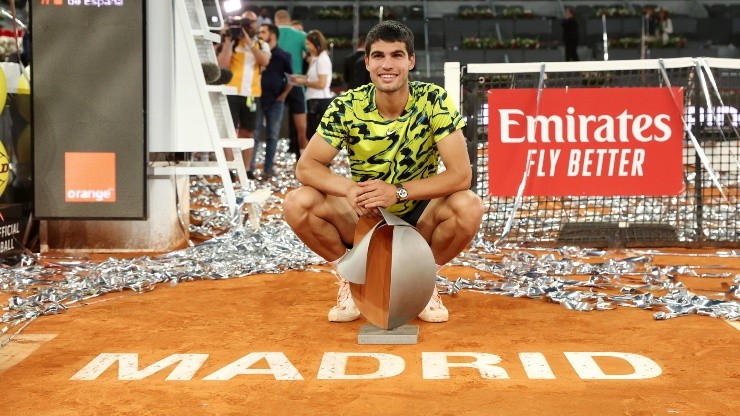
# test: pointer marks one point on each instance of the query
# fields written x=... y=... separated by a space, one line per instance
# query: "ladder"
x=202 y=110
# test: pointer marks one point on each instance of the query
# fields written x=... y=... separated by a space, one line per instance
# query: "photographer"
x=245 y=55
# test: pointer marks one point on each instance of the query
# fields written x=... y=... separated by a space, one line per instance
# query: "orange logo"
x=56 y=2
x=89 y=177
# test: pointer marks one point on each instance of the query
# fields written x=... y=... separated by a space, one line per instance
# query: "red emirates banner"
x=586 y=142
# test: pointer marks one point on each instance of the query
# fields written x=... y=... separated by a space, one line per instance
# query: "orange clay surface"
x=285 y=314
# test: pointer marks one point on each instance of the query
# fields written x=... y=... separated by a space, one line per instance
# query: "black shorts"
x=243 y=114
x=296 y=100
x=412 y=217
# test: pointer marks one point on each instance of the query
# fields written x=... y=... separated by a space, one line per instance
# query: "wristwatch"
x=401 y=193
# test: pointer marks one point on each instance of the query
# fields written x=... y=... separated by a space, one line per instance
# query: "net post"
x=453 y=82
x=696 y=128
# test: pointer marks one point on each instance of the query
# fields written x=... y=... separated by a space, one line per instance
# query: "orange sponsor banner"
x=586 y=141
x=89 y=177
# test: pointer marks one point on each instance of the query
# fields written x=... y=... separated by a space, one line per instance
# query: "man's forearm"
x=443 y=184
x=224 y=58
x=261 y=57
x=286 y=90
x=314 y=174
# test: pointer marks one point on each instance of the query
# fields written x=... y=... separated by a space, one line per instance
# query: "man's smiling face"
x=389 y=65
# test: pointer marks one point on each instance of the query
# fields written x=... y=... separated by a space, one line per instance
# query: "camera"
x=236 y=25
x=235 y=31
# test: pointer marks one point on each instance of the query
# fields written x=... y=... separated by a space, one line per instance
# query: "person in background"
x=317 y=80
x=570 y=34
x=663 y=26
x=245 y=56
x=395 y=131
x=293 y=41
x=26 y=48
x=355 y=72
x=650 y=24
x=297 y=25
x=275 y=89
x=263 y=16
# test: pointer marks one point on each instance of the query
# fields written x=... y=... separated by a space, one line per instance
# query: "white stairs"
x=201 y=119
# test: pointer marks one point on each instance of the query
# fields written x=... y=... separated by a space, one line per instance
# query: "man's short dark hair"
x=390 y=31
x=272 y=29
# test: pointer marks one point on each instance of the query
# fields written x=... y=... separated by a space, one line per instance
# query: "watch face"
x=402 y=193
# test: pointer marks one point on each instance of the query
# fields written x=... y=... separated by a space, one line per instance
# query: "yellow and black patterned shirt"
x=397 y=150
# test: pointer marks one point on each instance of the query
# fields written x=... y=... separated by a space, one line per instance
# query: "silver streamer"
x=525 y=175
x=568 y=277
x=578 y=278
x=56 y=286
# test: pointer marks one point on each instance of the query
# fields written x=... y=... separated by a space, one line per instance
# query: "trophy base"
x=405 y=334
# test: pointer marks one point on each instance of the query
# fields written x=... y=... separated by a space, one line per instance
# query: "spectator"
x=650 y=24
x=245 y=55
x=263 y=16
x=317 y=80
x=570 y=34
x=663 y=26
x=355 y=72
x=26 y=48
x=293 y=41
x=275 y=89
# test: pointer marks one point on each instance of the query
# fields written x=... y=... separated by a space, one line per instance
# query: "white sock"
x=336 y=262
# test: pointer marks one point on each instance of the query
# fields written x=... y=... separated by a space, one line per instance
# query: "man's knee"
x=467 y=207
x=297 y=204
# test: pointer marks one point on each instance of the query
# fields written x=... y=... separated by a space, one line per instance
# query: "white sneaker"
x=345 y=310
x=435 y=311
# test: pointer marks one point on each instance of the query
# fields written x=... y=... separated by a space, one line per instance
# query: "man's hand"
x=375 y=194
x=352 y=196
x=228 y=41
x=248 y=42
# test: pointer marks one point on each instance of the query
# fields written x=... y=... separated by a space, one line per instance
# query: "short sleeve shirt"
x=319 y=66
x=247 y=73
x=293 y=41
x=394 y=151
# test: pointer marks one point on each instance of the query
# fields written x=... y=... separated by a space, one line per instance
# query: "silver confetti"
x=579 y=279
x=522 y=274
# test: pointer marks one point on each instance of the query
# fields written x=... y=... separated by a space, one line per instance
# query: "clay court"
x=261 y=344
x=237 y=324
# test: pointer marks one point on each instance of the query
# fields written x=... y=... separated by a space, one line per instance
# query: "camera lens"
x=235 y=31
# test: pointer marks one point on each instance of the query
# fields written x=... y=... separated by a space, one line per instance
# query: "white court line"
x=21 y=347
x=736 y=324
